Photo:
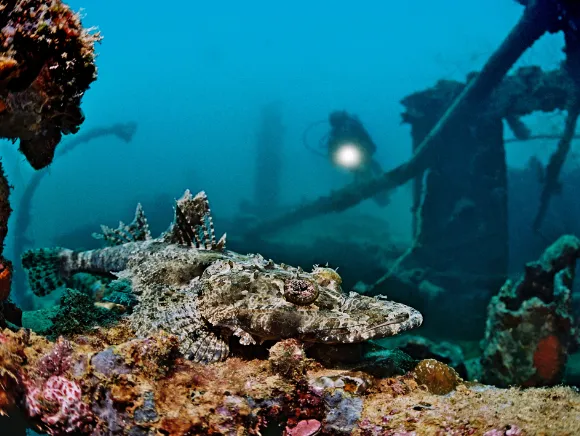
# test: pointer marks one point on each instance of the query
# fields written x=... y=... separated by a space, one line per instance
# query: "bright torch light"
x=348 y=155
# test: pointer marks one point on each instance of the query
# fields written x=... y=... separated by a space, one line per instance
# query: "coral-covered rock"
x=530 y=327
x=11 y=359
x=439 y=378
x=341 y=395
x=288 y=359
x=46 y=65
x=106 y=385
x=152 y=356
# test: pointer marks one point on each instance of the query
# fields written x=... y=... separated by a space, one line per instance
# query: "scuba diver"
x=349 y=145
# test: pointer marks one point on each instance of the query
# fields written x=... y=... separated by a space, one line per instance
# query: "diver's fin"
x=138 y=230
x=45 y=269
x=193 y=224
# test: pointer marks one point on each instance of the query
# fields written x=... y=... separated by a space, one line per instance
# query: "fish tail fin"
x=45 y=268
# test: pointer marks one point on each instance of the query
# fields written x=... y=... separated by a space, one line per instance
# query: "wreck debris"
x=530 y=328
x=539 y=17
x=460 y=219
x=10 y=314
x=269 y=154
x=557 y=160
x=123 y=131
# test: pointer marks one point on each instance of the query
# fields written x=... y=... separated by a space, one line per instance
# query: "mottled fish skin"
x=187 y=284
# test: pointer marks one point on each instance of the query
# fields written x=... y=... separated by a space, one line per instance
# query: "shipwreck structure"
x=459 y=256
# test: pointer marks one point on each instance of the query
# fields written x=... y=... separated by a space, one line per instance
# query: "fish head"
x=261 y=301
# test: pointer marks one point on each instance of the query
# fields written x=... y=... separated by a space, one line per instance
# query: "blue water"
x=195 y=75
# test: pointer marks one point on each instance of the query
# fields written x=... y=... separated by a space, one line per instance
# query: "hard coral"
x=439 y=378
x=531 y=327
x=46 y=65
x=57 y=403
x=288 y=359
x=11 y=358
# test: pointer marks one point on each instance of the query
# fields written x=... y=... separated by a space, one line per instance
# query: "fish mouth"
x=406 y=321
x=349 y=331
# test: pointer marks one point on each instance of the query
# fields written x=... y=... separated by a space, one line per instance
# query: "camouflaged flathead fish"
x=188 y=284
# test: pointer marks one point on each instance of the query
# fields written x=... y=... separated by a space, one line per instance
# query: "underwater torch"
x=348 y=145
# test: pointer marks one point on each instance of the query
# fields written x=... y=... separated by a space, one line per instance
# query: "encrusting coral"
x=46 y=65
x=530 y=327
x=107 y=382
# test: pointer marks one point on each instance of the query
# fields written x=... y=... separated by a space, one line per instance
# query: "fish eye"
x=300 y=292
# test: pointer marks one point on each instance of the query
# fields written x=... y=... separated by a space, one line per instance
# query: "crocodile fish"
x=187 y=284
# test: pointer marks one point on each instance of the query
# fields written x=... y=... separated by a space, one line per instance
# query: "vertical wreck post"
x=269 y=146
x=459 y=257
x=460 y=213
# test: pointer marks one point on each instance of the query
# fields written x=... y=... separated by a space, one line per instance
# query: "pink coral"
x=307 y=427
x=58 y=403
x=511 y=430
x=58 y=361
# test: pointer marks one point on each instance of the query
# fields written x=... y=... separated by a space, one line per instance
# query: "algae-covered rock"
x=77 y=313
x=39 y=321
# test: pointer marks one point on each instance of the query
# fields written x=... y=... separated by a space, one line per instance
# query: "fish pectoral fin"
x=137 y=230
x=204 y=347
x=245 y=337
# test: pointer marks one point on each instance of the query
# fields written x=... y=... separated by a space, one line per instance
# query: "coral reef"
x=78 y=312
x=46 y=65
x=110 y=383
x=188 y=284
x=530 y=327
